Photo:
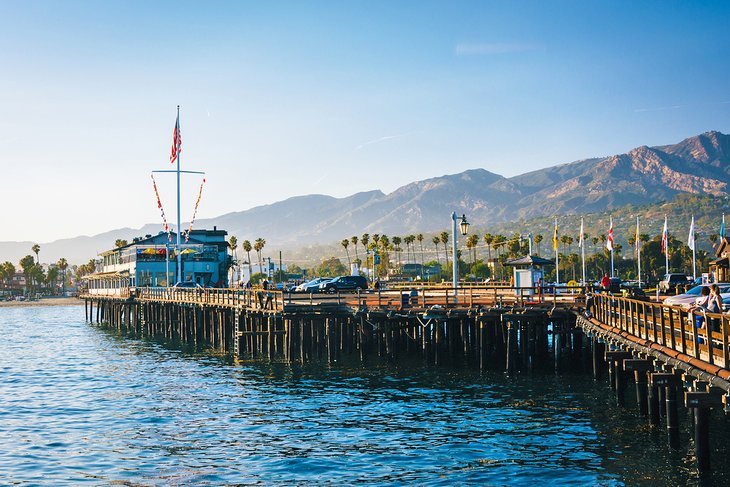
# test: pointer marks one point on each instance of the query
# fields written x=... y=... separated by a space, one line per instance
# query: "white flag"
x=691 y=238
x=580 y=237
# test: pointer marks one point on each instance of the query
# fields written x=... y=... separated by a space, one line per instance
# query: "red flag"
x=176 y=141
x=609 y=240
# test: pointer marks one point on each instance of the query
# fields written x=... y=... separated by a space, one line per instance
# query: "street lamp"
x=464 y=228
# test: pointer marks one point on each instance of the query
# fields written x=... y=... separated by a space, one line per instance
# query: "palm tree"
x=444 y=237
x=36 y=248
x=564 y=241
x=246 y=245
x=27 y=263
x=384 y=242
x=258 y=246
x=488 y=240
x=365 y=239
x=409 y=239
x=8 y=272
x=436 y=241
x=419 y=237
x=471 y=245
x=354 y=241
x=538 y=239
x=632 y=242
x=62 y=264
x=570 y=241
x=713 y=239
x=120 y=242
x=594 y=240
x=396 y=246
x=233 y=245
x=345 y=242
x=51 y=278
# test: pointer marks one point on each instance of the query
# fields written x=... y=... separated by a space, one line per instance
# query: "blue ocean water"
x=80 y=405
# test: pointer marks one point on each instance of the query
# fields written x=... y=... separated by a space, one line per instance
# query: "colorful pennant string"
x=165 y=226
x=195 y=212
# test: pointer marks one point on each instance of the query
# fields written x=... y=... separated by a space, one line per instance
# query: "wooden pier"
x=658 y=348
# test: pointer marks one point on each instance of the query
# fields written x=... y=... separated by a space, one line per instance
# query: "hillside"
x=698 y=165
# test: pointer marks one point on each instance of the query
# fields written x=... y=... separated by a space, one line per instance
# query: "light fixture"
x=464 y=225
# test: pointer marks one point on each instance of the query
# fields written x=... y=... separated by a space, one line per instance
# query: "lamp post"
x=464 y=228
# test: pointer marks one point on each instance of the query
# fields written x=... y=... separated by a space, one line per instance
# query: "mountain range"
x=645 y=175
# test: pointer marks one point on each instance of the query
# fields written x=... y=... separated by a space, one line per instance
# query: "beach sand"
x=42 y=302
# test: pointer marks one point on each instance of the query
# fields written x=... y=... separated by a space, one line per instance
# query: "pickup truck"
x=670 y=282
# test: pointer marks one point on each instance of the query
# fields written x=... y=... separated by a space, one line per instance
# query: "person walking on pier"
x=606 y=283
x=700 y=309
x=714 y=305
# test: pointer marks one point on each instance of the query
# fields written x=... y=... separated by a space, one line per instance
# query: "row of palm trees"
x=258 y=246
x=33 y=272
x=505 y=246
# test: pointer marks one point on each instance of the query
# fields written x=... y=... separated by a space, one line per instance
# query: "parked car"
x=311 y=286
x=344 y=283
x=688 y=299
x=670 y=282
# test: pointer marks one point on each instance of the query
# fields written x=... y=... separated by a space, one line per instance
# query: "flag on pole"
x=722 y=227
x=580 y=237
x=609 y=240
x=691 y=238
x=665 y=237
x=555 y=236
x=176 y=140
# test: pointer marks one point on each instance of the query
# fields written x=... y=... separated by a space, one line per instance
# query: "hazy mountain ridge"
x=642 y=176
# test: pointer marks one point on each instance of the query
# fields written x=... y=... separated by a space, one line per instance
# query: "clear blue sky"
x=288 y=98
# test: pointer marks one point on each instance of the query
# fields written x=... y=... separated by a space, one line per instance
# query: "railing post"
x=723 y=330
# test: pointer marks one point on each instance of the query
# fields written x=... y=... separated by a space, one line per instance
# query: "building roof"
x=529 y=260
x=723 y=249
x=154 y=239
x=106 y=275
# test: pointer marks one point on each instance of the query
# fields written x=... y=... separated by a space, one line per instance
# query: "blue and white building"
x=152 y=261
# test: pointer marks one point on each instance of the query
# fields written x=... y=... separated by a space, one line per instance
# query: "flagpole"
x=179 y=254
x=557 y=264
x=611 y=228
x=638 y=249
x=666 y=249
x=694 y=262
x=583 y=251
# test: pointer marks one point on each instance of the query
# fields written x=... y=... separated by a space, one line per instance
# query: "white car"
x=690 y=297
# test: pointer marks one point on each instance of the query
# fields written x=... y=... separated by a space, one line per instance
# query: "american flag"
x=665 y=236
x=176 y=141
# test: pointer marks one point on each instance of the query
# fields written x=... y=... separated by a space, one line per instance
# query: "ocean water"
x=80 y=405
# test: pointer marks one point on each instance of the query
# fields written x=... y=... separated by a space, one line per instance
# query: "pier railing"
x=699 y=335
x=411 y=296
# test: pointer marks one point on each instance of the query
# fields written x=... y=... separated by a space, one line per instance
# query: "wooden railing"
x=415 y=296
x=699 y=335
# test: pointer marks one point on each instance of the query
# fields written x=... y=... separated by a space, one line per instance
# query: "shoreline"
x=42 y=302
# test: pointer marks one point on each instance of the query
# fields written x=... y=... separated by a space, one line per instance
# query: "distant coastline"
x=42 y=302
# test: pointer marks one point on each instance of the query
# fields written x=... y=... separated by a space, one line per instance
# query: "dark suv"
x=344 y=283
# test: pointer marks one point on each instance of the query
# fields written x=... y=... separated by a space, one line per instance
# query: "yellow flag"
x=555 y=236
